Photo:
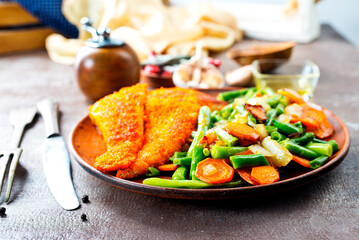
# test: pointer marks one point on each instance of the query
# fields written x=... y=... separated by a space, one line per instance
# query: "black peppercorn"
x=84 y=217
x=85 y=199
x=2 y=211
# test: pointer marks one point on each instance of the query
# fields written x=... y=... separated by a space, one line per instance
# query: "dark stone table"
x=325 y=209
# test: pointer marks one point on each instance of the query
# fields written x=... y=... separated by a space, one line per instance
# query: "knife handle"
x=49 y=110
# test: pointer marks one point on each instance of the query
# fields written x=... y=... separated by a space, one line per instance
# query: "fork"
x=19 y=118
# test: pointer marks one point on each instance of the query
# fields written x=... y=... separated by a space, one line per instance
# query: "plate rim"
x=224 y=193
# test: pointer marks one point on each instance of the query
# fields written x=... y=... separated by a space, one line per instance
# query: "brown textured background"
x=325 y=209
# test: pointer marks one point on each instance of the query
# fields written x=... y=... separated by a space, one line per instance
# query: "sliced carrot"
x=309 y=112
x=245 y=173
x=302 y=161
x=246 y=152
x=245 y=134
x=265 y=174
x=167 y=167
x=325 y=130
x=291 y=95
x=208 y=139
x=214 y=171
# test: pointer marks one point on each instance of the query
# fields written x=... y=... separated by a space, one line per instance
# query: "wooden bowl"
x=156 y=80
x=246 y=56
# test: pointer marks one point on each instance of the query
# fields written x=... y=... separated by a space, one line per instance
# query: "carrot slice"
x=325 y=130
x=214 y=171
x=208 y=139
x=302 y=161
x=245 y=134
x=245 y=173
x=167 y=167
x=311 y=113
x=291 y=95
x=265 y=174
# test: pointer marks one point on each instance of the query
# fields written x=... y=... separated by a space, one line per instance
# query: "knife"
x=56 y=158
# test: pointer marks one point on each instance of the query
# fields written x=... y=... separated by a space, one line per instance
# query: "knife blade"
x=56 y=158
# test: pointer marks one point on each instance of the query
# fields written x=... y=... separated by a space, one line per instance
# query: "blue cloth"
x=49 y=13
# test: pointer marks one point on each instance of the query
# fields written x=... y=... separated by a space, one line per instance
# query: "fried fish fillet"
x=120 y=119
x=170 y=117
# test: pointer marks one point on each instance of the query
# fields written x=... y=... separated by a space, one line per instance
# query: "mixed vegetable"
x=249 y=140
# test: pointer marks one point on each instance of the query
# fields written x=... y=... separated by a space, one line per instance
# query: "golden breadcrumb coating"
x=170 y=117
x=120 y=119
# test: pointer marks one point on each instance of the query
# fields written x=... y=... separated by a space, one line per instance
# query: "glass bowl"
x=278 y=73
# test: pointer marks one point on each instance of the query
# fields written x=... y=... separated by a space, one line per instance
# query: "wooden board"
x=12 y=14
x=19 y=30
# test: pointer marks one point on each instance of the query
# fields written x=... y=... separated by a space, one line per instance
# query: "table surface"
x=325 y=209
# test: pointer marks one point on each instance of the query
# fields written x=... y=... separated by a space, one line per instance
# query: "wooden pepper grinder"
x=105 y=65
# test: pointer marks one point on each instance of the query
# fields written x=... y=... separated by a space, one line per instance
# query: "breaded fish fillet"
x=120 y=119
x=171 y=116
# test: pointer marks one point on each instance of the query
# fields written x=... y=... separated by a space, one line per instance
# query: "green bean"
x=280 y=109
x=286 y=128
x=152 y=172
x=299 y=125
x=206 y=152
x=180 y=173
x=179 y=154
x=299 y=150
x=219 y=152
x=273 y=100
x=252 y=121
x=216 y=116
x=271 y=114
x=284 y=101
x=319 y=161
x=269 y=91
x=204 y=119
x=250 y=93
x=195 y=142
x=321 y=148
x=306 y=138
x=228 y=139
x=193 y=134
x=194 y=184
x=271 y=129
x=183 y=161
x=277 y=136
x=331 y=142
x=196 y=158
x=239 y=109
x=231 y=95
x=239 y=161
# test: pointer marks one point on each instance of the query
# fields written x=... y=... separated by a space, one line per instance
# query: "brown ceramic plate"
x=86 y=143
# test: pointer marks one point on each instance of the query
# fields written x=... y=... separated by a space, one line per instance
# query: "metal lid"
x=100 y=37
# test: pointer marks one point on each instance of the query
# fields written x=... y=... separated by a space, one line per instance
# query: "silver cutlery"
x=56 y=159
x=19 y=118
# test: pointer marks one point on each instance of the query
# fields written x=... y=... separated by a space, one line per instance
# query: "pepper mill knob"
x=105 y=65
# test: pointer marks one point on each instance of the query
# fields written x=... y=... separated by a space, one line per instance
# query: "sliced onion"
x=257 y=149
x=281 y=155
x=294 y=109
x=261 y=129
x=284 y=118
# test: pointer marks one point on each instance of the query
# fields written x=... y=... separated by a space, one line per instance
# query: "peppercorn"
x=2 y=212
x=84 y=217
x=85 y=199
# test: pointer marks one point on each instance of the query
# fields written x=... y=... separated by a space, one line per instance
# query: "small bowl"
x=299 y=76
x=246 y=56
x=156 y=80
